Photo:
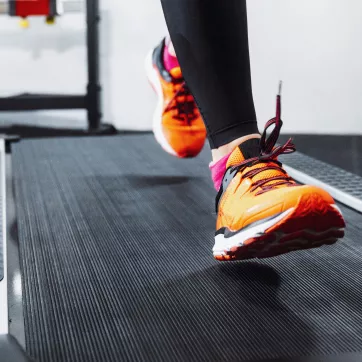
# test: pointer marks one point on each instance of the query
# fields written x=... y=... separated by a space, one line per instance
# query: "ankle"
x=219 y=153
x=170 y=60
x=170 y=47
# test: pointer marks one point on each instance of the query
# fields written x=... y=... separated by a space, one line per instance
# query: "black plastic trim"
x=52 y=8
x=228 y=233
x=30 y=102
x=12 y=7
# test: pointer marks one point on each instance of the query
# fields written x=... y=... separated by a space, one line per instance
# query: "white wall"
x=135 y=27
x=313 y=46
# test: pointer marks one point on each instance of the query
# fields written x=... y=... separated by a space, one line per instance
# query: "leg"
x=211 y=42
x=261 y=211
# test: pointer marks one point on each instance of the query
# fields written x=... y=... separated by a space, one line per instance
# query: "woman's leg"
x=261 y=211
x=211 y=42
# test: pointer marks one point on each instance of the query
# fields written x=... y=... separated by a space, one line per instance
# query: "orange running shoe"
x=177 y=123
x=262 y=212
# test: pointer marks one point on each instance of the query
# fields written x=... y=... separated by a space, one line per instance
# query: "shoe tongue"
x=245 y=151
x=250 y=149
x=176 y=73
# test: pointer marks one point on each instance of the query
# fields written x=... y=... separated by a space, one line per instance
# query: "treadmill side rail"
x=344 y=186
x=4 y=324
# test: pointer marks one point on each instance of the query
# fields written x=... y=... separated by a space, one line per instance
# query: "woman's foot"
x=262 y=211
x=177 y=123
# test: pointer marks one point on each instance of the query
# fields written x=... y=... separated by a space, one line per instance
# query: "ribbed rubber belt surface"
x=115 y=239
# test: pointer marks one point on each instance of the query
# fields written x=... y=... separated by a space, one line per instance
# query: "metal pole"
x=94 y=106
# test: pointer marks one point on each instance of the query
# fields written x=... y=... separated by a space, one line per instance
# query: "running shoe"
x=177 y=123
x=262 y=212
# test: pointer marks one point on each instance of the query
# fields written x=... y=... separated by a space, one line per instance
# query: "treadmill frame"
x=91 y=101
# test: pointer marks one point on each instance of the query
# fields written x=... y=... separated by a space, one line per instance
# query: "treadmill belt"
x=115 y=243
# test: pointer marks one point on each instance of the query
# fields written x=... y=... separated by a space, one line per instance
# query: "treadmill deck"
x=115 y=249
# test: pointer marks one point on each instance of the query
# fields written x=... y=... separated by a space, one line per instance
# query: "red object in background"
x=26 y=8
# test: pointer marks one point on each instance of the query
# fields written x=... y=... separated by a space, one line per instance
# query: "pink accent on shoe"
x=218 y=170
x=169 y=60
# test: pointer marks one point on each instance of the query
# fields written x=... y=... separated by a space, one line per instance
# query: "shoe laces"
x=269 y=153
x=182 y=103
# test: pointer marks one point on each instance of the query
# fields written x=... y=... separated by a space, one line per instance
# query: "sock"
x=169 y=60
x=247 y=149
x=218 y=170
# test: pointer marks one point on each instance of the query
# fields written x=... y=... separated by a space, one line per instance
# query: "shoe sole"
x=311 y=224
x=154 y=79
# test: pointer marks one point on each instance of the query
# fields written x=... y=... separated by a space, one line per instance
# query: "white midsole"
x=223 y=244
x=154 y=79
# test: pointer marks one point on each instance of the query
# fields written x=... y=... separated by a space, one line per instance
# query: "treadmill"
x=106 y=256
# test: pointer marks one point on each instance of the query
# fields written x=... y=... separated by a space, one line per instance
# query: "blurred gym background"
x=313 y=46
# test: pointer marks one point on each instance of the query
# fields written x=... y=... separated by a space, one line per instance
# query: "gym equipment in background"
x=91 y=101
x=48 y=8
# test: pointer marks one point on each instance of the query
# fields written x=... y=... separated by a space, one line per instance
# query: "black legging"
x=211 y=42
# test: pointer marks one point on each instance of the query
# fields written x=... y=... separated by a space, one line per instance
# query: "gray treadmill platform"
x=115 y=245
x=334 y=176
x=344 y=186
